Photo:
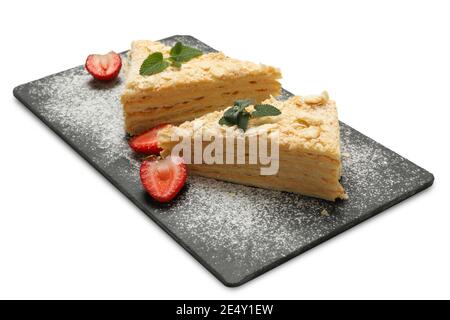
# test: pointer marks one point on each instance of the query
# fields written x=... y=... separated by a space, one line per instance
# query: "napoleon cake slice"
x=307 y=134
x=204 y=84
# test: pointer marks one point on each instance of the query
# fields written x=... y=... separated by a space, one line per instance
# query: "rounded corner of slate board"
x=430 y=179
x=232 y=284
x=15 y=91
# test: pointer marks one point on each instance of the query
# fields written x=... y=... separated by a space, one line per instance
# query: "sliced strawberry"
x=104 y=67
x=163 y=179
x=147 y=142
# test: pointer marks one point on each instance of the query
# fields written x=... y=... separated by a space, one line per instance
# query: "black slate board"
x=236 y=232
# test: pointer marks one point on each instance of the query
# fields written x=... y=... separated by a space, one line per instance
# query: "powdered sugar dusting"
x=88 y=112
x=250 y=228
x=236 y=231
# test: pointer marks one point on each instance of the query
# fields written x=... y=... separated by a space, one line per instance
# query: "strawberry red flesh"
x=163 y=178
x=104 y=67
x=147 y=142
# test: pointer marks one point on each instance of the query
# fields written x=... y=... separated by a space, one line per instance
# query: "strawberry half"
x=163 y=178
x=147 y=142
x=104 y=67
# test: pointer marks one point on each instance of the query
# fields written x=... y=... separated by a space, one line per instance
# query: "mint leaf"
x=154 y=63
x=225 y=122
x=231 y=114
x=174 y=63
x=264 y=110
x=243 y=120
x=242 y=103
x=176 y=49
x=237 y=115
x=181 y=53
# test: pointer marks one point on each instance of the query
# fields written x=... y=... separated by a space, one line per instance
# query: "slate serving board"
x=236 y=232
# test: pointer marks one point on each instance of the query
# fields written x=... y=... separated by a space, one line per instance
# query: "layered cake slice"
x=185 y=91
x=298 y=145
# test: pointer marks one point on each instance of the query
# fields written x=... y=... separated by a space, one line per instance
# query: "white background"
x=65 y=232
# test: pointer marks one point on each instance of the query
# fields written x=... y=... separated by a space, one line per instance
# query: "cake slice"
x=206 y=83
x=306 y=133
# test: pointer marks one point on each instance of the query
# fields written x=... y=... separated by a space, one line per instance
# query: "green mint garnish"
x=237 y=115
x=243 y=120
x=155 y=62
x=225 y=122
x=181 y=53
x=233 y=113
x=264 y=110
x=243 y=103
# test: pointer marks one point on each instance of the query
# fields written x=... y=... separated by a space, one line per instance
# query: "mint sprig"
x=265 y=110
x=155 y=62
x=232 y=115
x=181 y=53
x=237 y=115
